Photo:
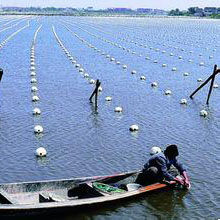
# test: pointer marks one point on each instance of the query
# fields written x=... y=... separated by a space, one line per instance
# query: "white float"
x=118 y=109
x=81 y=70
x=186 y=74
x=32 y=68
x=77 y=65
x=183 y=101
x=134 y=128
x=155 y=61
x=38 y=129
x=124 y=67
x=133 y=72
x=92 y=81
x=35 y=98
x=33 y=80
x=100 y=89
x=143 y=78
x=154 y=84
x=147 y=58
x=201 y=64
x=164 y=65
x=36 y=111
x=168 y=92
x=34 y=89
x=215 y=86
x=108 y=98
x=199 y=80
x=118 y=63
x=203 y=113
x=174 y=69
x=41 y=152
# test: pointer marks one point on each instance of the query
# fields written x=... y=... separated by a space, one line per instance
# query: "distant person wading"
x=158 y=167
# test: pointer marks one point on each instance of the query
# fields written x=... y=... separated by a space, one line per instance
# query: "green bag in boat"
x=105 y=188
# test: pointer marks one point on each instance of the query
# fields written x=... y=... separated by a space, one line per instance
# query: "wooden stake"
x=215 y=72
x=210 y=89
x=95 y=92
x=1 y=73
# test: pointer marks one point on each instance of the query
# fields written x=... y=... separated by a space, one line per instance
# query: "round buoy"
x=77 y=65
x=210 y=57
x=118 y=109
x=201 y=64
x=124 y=67
x=174 y=69
x=112 y=59
x=154 y=84
x=36 y=111
x=168 y=92
x=74 y=61
x=171 y=54
x=203 y=113
x=183 y=101
x=100 y=89
x=33 y=80
x=41 y=152
x=33 y=73
x=81 y=70
x=133 y=72
x=118 y=63
x=143 y=78
x=215 y=86
x=86 y=75
x=199 y=80
x=34 y=89
x=108 y=98
x=107 y=56
x=190 y=60
x=134 y=128
x=180 y=57
x=185 y=74
x=155 y=61
x=38 y=129
x=164 y=51
x=147 y=58
x=32 y=68
x=164 y=65
x=92 y=81
x=35 y=98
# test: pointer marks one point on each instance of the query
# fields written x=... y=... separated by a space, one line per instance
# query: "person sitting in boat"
x=156 y=169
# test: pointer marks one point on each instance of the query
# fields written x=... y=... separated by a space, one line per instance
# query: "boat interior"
x=60 y=191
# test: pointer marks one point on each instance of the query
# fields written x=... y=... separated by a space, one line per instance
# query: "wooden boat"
x=31 y=198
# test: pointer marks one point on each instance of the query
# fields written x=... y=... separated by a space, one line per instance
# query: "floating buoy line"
x=38 y=129
x=183 y=101
x=73 y=60
x=3 y=43
x=137 y=44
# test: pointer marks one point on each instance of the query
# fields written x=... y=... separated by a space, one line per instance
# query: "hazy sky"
x=162 y=4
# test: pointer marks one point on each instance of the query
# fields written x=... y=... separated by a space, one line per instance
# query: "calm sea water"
x=83 y=142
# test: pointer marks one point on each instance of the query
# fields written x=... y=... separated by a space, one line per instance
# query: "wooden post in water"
x=1 y=73
x=210 y=89
x=95 y=92
x=212 y=78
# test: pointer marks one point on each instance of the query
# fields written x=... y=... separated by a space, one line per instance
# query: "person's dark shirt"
x=162 y=163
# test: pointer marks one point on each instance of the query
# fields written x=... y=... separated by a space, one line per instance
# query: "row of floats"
x=167 y=92
x=140 y=55
x=38 y=129
x=143 y=45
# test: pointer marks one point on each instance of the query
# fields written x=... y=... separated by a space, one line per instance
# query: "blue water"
x=81 y=141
